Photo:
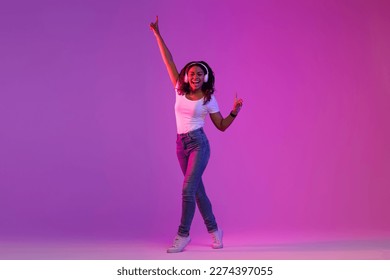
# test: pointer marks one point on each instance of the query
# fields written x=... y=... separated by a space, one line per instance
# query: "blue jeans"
x=193 y=152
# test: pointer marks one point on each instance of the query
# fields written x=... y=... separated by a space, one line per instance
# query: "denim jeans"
x=193 y=152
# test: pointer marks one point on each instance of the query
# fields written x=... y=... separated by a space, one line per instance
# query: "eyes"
x=192 y=73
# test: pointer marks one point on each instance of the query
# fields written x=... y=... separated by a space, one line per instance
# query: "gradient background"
x=87 y=128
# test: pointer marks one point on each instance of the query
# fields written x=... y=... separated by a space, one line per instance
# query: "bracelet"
x=232 y=115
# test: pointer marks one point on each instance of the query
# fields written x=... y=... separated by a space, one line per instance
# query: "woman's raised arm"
x=165 y=53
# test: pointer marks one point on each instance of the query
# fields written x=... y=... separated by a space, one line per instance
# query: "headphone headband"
x=206 y=76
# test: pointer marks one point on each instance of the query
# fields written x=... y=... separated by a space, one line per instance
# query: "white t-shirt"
x=190 y=114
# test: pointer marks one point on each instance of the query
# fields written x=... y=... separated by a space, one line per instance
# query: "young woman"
x=194 y=87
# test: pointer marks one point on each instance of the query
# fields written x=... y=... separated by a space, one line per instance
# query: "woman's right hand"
x=154 y=27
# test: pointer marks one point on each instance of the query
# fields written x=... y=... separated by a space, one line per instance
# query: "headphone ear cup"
x=206 y=78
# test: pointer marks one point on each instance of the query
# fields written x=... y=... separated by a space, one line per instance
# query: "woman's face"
x=195 y=77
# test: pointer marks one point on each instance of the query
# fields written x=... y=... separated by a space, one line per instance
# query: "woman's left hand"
x=154 y=27
x=237 y=105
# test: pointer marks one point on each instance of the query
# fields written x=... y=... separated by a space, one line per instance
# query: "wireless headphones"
x=206 y=76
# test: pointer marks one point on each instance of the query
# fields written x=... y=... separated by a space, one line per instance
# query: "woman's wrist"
x=233 y=114
x=157 y=33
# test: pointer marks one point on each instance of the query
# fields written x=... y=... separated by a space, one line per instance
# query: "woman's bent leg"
x=205 y=208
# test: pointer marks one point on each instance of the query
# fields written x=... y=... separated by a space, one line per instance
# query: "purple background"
x=88 y=131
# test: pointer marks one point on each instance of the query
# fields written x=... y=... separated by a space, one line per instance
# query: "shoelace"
x=215 y=238
x=176 y=242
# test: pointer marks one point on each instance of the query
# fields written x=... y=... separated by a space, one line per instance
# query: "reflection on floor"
x=250 y=248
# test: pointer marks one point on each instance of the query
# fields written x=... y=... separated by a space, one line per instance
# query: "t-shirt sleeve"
x=212 y=105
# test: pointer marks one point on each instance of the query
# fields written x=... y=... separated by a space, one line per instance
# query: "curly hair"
x=207 y=87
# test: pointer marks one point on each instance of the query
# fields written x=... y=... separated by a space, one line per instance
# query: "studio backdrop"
x=87 y=126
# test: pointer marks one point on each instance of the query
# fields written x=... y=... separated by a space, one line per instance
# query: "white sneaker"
x=179 y=244
x=217 y=239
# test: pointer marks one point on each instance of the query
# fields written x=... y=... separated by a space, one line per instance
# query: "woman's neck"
x=195 y=95
x=196 y=92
